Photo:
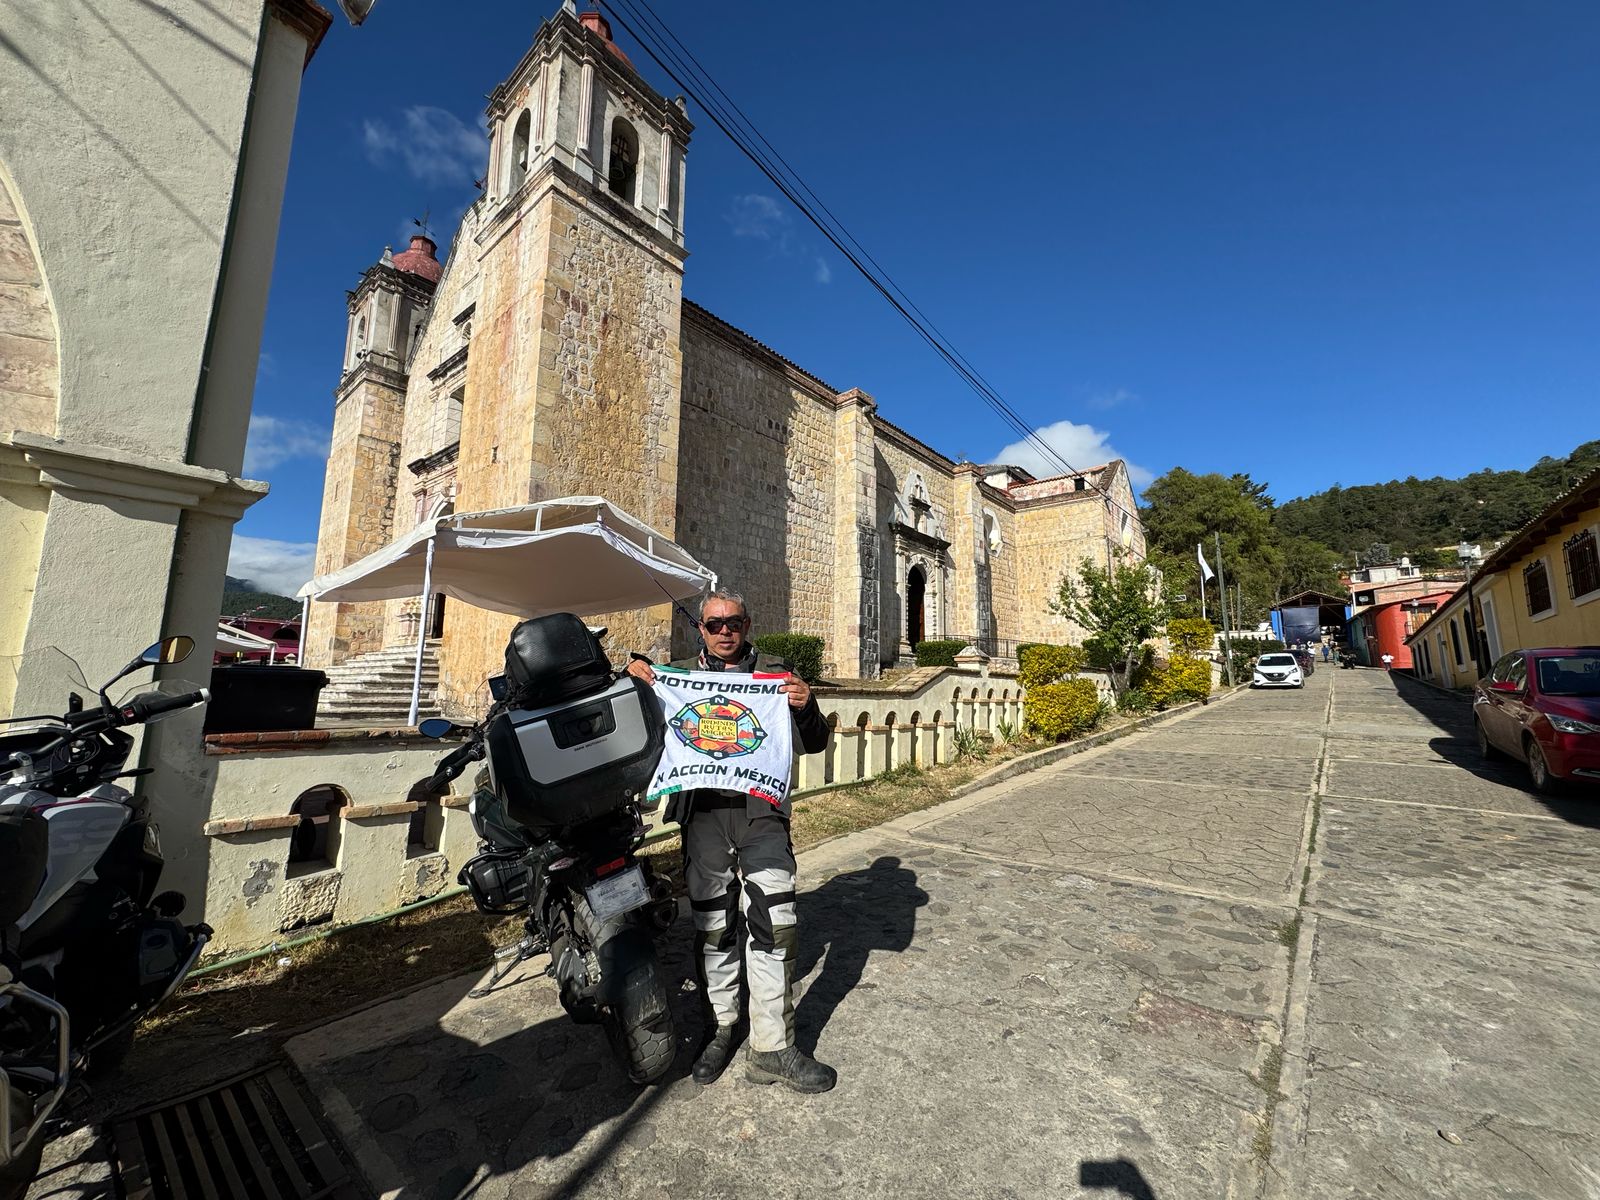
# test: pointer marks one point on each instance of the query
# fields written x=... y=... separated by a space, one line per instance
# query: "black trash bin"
x=252 y=698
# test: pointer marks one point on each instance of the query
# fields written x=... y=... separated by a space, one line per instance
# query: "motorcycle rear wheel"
x=640 y=1026
x=16 y=1175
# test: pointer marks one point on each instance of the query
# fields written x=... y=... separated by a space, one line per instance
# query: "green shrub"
x=1063 y=710
x=969 y=744
x=1191 y=635
x=1041 y=664
x=802 y=651
x=939 y=654
x=1135 y=702
x=1182 y=678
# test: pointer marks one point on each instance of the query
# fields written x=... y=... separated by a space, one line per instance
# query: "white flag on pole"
x=1206 y=573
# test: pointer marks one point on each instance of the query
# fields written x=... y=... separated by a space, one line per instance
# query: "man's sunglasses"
x=732 y=624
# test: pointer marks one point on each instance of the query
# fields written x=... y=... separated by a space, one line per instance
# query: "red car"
x=1543 y=707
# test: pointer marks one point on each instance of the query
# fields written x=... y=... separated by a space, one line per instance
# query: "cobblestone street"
x=1299 y=942
x=1292 y=944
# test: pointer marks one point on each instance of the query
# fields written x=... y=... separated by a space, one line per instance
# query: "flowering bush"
x=1063 y=710
x=1181 y=678
x=1039 y=664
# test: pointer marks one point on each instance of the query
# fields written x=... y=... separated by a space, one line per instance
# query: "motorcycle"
x=87 y=947
x=570 y=746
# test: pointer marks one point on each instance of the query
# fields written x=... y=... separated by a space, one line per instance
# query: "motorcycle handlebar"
x=153 y=704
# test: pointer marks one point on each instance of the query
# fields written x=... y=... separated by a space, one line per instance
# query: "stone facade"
x=558 y=357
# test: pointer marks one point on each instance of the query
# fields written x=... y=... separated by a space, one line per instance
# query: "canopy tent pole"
x=422 y=631
x=305 y=619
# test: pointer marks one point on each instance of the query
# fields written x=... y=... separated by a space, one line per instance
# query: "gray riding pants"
x=734 y=864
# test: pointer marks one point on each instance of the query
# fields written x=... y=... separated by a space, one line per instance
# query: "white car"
x=1277 y=670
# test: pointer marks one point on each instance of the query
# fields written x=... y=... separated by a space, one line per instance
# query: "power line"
x=683 y=68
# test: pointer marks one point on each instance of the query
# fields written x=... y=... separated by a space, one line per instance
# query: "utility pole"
x=1227 y=638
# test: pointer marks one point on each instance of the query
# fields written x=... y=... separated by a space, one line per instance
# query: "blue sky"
x=1317 y=243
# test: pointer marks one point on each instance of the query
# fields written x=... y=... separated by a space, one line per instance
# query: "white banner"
x=1206 y=573
x=725 y=730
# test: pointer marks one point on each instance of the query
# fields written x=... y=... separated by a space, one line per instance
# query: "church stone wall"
x=432 y=422
x=572 y=387
x=1052 y=540
x=757 y=462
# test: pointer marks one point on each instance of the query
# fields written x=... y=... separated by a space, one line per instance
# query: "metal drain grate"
x=252 y=1138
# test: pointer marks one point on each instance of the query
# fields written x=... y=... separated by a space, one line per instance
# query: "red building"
x=286 y=634
x=1384 y=628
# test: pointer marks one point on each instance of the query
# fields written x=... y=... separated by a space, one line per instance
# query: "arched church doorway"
x=916 y=606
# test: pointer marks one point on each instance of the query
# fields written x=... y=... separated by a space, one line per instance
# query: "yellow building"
x=1541 y=588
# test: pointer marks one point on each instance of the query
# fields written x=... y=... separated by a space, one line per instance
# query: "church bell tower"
x=575 y=365
x=386 y=312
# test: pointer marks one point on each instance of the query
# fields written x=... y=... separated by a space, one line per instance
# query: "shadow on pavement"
x=846 y=919
x=442 y=1114
x=1119 y=1175
x=1453 y=715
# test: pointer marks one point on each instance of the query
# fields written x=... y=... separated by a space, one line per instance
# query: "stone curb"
x=1054 y=754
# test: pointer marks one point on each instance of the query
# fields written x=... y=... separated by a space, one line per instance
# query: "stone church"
x=553 y=353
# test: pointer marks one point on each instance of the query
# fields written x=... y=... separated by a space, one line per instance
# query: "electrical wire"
x=688 y=73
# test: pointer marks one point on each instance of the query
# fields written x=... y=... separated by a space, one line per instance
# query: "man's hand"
x=640 y=669
x=798 y=691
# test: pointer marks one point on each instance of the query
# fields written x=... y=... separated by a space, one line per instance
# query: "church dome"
x=420 y=259
x=596 y=22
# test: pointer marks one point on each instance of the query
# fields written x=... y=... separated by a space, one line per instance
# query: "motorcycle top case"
x=575 y=760
x=553 y=658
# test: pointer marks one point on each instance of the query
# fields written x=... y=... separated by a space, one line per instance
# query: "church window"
x=519 y=153
x=623 y=168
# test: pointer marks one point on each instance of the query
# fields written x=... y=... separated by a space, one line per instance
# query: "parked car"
x=1279 y=669
x=1543 y=708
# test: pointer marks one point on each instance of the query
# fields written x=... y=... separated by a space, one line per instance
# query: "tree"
x=1121 y=607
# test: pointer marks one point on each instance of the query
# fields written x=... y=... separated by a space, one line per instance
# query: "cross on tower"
x=422 y=223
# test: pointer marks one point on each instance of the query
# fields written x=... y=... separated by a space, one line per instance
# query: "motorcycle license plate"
x=617 y=894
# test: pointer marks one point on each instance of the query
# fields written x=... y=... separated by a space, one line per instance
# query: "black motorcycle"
x=571 y=746
x=87 y=946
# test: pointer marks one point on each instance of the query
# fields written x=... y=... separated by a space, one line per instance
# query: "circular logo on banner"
x=718 y=727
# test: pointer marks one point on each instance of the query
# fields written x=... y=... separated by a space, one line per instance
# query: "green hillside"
x=1414 y=516
x=240 y=599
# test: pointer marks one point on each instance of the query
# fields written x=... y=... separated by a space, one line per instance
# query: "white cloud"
x=758 y=216
x=274 y=440
x=434 y=144
x=1081 y=445
x=824 y=273
x=273 y=566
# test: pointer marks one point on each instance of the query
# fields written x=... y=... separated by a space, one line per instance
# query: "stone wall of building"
x=358 y=507
x=435 y=400
x=756 y=472
x=1052 y=539
x=573 y=388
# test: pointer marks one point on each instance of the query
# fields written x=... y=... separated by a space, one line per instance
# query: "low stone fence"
x=323 y=825
x=329 y=826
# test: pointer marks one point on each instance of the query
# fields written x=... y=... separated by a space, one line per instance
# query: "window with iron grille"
x=1583 y=563
x=1455 y=642
x=1536 y=582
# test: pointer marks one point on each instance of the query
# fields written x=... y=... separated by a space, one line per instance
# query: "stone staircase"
x=375 y=689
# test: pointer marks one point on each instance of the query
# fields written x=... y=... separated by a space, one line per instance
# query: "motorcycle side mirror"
x=435 y=727
x=167 y=650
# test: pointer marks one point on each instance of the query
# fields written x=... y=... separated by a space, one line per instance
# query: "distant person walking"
x=1388 y=662
x=1327 y=651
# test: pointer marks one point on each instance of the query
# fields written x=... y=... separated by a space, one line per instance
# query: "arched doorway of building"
x=916 y=606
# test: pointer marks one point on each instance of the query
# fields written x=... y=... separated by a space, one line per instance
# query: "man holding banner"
x=736 y=848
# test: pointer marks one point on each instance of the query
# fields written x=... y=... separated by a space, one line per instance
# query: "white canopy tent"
x=578 y=554
x=230 y=640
